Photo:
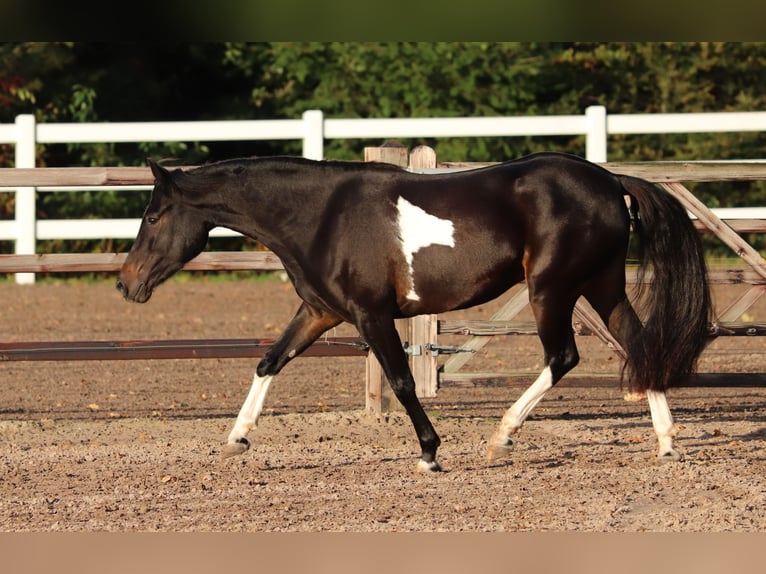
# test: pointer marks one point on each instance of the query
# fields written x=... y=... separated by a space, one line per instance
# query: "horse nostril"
x=122 y=288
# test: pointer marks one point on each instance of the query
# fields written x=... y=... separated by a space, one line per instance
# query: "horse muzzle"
x=137 y=292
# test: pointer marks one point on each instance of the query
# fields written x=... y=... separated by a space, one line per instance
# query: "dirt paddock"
x=135 y=445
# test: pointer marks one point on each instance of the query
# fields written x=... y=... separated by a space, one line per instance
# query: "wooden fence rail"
x=110 y=262
x=168 y=349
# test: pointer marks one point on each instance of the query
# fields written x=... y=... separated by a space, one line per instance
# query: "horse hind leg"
x=305 y=327
x=501 y=442
x=554 y=325
x=609 y=300
x=664 y=428
x=625 y=326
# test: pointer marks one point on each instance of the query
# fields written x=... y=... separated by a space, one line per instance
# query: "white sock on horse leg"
x=251 y=408
x=662 y=421
x=516 y=415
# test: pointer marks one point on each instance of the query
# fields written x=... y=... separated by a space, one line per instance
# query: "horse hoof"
x=498 y=451
x=670 y=456
x=235 y=448
x=432 y=466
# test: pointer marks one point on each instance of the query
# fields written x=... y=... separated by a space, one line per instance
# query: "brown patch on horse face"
x=130 y=286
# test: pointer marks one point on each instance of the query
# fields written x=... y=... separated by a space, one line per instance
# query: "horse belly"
x=445 y=278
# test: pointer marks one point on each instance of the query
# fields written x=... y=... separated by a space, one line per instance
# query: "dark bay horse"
x=368 y=243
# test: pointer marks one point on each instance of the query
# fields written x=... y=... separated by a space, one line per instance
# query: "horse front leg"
x=247 y=418
x=380 y=334
x=304 y=328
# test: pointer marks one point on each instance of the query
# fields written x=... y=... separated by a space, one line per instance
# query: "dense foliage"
x=85 y=82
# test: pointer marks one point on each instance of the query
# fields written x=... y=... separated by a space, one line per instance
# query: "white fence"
x=25 y=230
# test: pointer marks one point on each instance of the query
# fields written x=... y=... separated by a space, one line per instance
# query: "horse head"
x=172 y=232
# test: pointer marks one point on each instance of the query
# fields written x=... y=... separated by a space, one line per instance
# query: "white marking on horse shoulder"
x=419 y=229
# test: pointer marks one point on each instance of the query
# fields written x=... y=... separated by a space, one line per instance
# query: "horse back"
x=439 y=242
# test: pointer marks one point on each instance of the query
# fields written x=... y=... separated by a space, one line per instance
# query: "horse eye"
x=151 y=220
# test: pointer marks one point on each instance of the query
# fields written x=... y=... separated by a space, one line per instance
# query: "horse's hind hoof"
x=670 y=456
x=235 y=448
x=498 y=451
x=432 y=466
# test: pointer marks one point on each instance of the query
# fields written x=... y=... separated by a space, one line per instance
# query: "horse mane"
x=203 y=178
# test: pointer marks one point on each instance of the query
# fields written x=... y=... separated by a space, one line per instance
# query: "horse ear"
x=159 y=172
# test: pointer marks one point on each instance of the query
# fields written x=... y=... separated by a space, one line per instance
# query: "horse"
x=368 y=243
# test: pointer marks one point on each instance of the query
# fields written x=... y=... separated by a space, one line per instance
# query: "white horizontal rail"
x=57 y=188
x=711 y=122
x=8 y=133
x=8 y=230
x=69 y=229
x=455 y=127
x=235 y=130
x=72 y=229
x=740 y=212
x=87 y=228
x=500 y=126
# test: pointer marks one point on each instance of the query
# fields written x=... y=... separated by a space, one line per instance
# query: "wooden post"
x=379 y=397
x=418 y=333
x=422 y=330
x=390 y=152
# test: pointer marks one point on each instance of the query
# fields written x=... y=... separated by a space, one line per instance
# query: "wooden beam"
x=168 y=349
x=738 y=225
x=691 y=171
x=741 y=247
x=77 y=176
x=593 y=380
x=108 y=262
x=668 y=171
x=479 y=328
x=659 y=172
x=508 y=311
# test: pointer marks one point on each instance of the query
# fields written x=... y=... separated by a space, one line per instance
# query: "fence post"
x=422 y=330
x=313 y=134
x=25 y=208
x=378 y=394
x=595 y=138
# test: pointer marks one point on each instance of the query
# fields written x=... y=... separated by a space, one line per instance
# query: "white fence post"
x=313 y=134
x=25 y=209
x=595 y=138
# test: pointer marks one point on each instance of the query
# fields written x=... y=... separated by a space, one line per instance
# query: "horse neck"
x=274 y=204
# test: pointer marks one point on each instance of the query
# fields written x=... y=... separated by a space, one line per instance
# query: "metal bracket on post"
x=418 y=350
x=413 y=350
x=448 y=349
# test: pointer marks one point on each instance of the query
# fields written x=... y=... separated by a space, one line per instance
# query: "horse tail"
x=676 y=306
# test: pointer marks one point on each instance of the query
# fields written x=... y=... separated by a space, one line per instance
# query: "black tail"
x=676 y=307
